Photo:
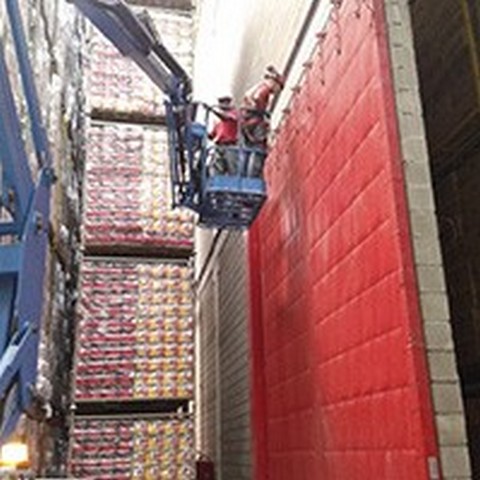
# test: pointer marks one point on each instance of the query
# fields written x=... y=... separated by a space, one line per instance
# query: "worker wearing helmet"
x=260 y=95
x=224 y=134
x=225 y=130
x=255 y=116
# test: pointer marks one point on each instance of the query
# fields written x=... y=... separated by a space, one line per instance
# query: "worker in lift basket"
x=255 y=117
x=224 y=134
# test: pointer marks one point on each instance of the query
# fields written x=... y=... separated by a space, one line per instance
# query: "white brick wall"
x=447 y=400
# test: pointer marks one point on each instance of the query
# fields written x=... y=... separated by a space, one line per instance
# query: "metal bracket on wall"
x=321 y=36
x=336 y=21
x=361 y=4
x=370 y=8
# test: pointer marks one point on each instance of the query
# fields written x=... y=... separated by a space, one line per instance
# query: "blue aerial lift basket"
x=233 y=200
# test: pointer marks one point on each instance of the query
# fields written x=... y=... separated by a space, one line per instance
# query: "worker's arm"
x=223 y=115
x=258 y=97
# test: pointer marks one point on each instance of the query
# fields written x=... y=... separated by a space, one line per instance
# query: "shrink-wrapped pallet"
x=128 y=193
x=117 y=88
x=48 y=33
x=15 y=82
x=134 y=331
x=125 y=448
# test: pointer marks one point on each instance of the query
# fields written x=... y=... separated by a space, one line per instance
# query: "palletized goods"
x=116 y=87
x=128 y=192
x=134 y=335
x=134 y=331
x=125 y=448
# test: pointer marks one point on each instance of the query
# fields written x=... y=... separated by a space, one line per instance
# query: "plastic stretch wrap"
x=127 y=190
x=49 y=29
x=121 y=449
x=15 y=80
x=135 y=331
x=116 y=86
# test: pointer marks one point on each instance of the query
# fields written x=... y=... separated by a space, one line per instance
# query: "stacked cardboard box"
x=52 y=38
x=131 y=449
x=135 y=331
x=127 y=190
x=118 y=89
x=134 y=343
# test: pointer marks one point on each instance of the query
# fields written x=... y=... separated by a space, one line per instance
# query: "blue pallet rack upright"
x=24 y=203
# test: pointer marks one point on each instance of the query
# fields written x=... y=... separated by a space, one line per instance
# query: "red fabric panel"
x=340 y=353
x=258 y=397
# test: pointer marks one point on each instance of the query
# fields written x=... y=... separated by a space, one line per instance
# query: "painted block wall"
x=223 y=363
x=234 y=362
x=342 y=386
